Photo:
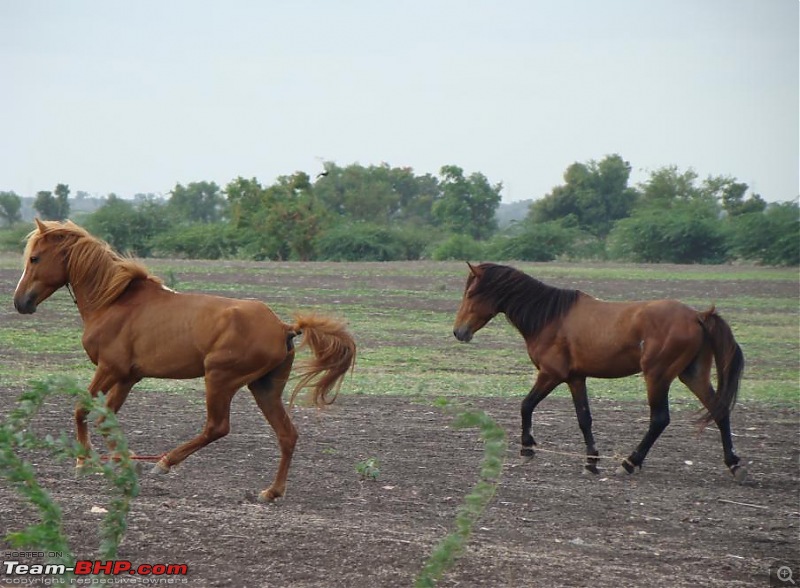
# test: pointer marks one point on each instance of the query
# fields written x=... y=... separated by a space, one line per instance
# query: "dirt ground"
x=682 y=521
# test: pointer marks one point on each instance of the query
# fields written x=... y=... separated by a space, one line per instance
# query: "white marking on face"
x=22 y=277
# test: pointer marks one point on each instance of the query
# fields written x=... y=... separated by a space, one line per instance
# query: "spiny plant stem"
x=445 y=554
x=15 y=434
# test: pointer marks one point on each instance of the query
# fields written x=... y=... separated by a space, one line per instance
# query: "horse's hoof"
x=626 y=468
x=526 y=455
x=739 y=473
x=269 y=495
x=590 y=470
x=160 y=468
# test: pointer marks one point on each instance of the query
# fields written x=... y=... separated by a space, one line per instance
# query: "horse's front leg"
x=542 y=387
x=102 y=381
x=581 y=400
x=114 y=401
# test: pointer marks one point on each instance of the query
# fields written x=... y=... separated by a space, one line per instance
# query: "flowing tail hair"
x=334 y=354
x=729 y=360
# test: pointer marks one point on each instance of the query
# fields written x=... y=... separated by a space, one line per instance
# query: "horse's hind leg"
x=658 y=399
x=581 y=400
x=268 y=391
x=697 y=377
x=218 y=407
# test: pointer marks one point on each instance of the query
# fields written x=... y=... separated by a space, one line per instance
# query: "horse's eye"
x=34 y=259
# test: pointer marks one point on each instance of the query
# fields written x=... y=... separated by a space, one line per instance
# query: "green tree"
x=676 y=219
x=594 y=195
x=52 y=207
x=201 y=202
x=733 y=199
x=10 y=206
x=377 y=194
x=245 y=199
x=130 y=227
x=467 y=205
x=286 y=218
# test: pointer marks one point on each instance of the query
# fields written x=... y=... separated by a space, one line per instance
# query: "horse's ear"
x=39 y=225
x=476 y=271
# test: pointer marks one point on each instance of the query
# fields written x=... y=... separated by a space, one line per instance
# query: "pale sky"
x=132 y=97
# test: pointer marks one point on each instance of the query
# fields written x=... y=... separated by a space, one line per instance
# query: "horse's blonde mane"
x=92 y=265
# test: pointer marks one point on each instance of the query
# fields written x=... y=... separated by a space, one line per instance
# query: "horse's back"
x=160 y=333
x=608 y=339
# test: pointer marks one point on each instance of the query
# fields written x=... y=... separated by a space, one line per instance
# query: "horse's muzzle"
x=463 y=333
x=25 y=304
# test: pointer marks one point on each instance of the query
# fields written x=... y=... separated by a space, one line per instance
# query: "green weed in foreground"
x=494 y=439
x=15 y=435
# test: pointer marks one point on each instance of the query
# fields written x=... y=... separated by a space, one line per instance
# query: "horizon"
x=517 y=91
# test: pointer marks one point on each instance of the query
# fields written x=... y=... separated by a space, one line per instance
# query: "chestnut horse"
x=135 y=327
x=571 y=336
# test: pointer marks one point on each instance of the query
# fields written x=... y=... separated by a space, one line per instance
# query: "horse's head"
x=45 y=267
x=475 y=310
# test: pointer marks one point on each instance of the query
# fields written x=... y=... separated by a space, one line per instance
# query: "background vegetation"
x=383 y=213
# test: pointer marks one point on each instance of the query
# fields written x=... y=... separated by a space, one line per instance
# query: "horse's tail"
x=334 y=355
x=729 y=360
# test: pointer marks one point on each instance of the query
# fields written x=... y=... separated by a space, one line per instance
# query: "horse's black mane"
x=528 y=303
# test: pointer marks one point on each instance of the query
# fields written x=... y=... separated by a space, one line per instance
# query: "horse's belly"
x=166 y=362
x=608 y=362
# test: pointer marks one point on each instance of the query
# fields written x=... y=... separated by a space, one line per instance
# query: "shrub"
x=540 y=241
x=459 y=247
x=361 y=241
x=198 y=241
x=771 y=237
x=677 y=235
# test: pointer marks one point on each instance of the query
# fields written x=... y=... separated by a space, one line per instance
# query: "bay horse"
x=135 y=327
x=570 y=336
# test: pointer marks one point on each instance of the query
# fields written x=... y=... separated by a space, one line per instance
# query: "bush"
x=129 y=227
x=199 y=241
x=771 y=237
x=542 y=241
x=458 y=247
x=362 y=241
x=682 y=234
x=13 y=238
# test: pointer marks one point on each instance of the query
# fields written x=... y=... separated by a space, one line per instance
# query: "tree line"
x=382 y=213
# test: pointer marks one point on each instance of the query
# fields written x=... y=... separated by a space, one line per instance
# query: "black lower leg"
x=659 y=419
x=585 y=423
x=731 y=459
x=527 y=439
x=528 y=405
